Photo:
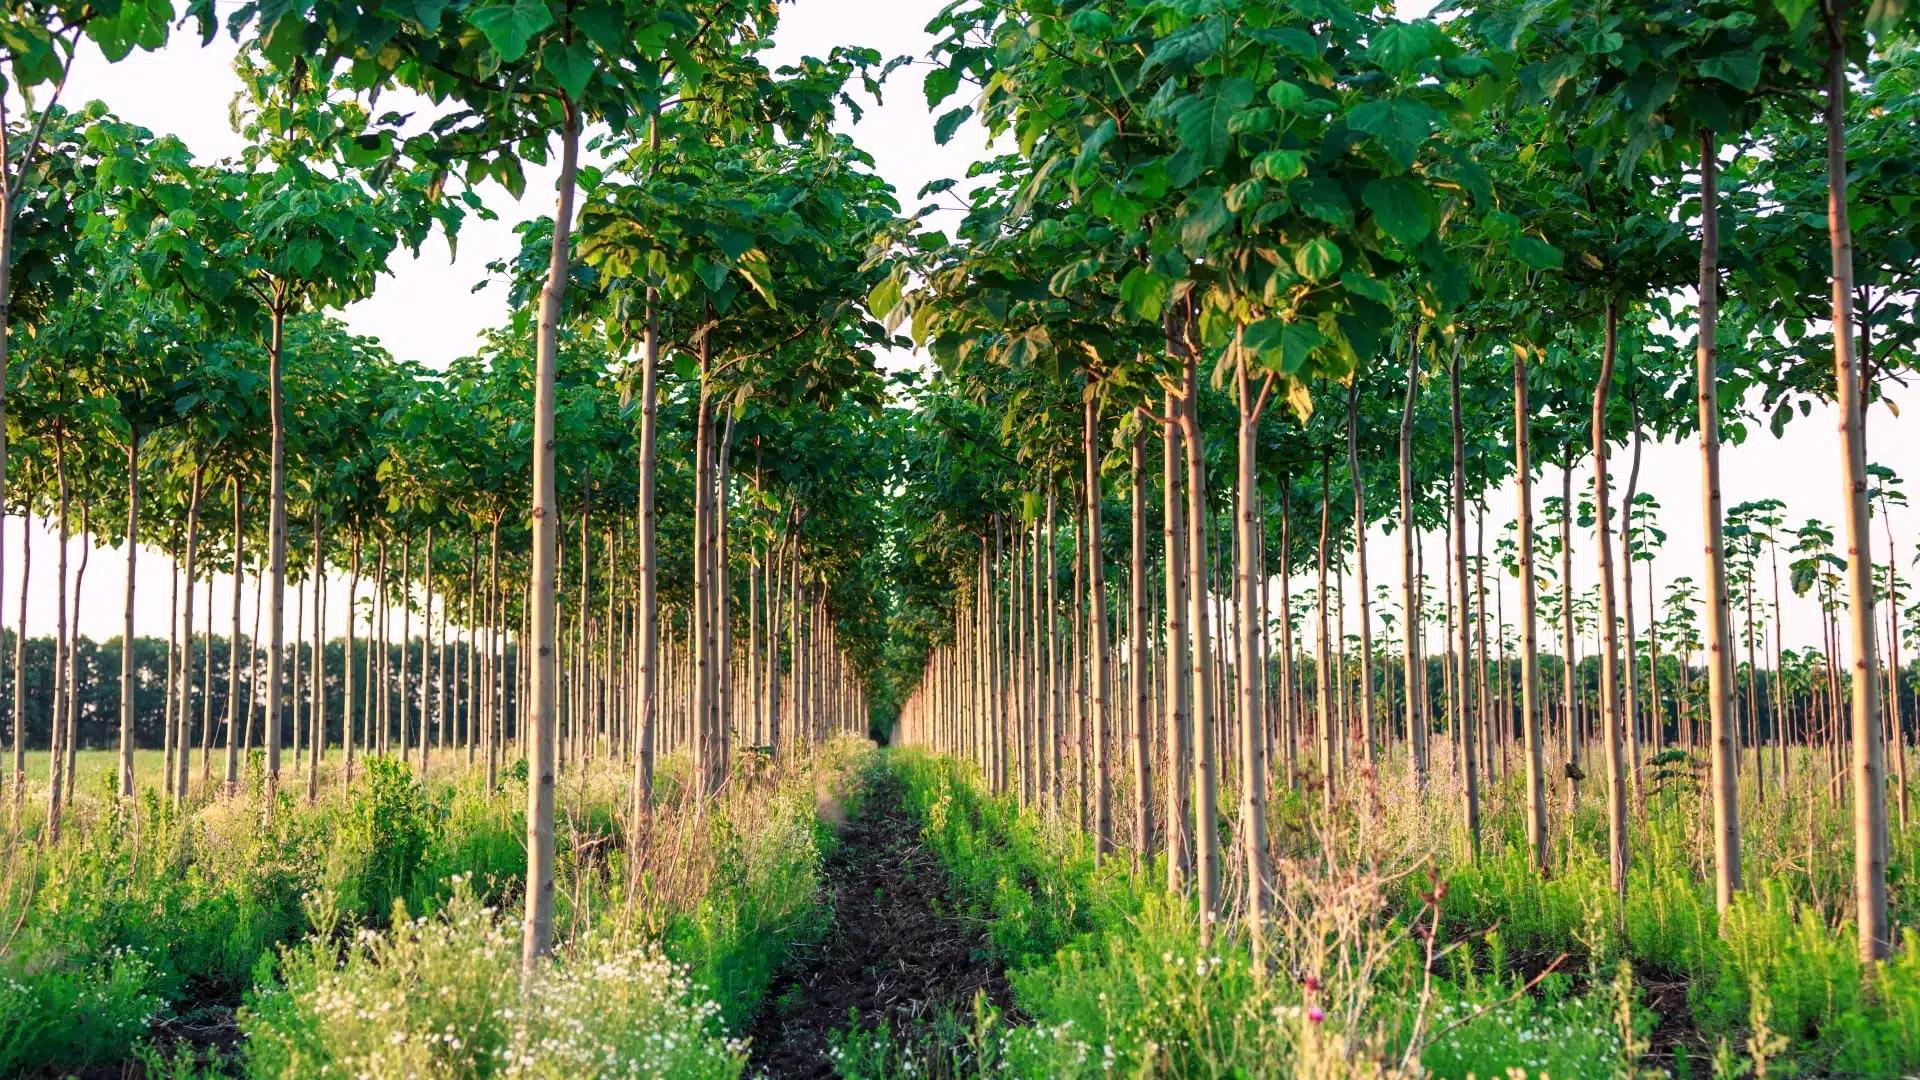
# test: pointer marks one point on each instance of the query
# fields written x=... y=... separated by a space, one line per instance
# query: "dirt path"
x=895 y=955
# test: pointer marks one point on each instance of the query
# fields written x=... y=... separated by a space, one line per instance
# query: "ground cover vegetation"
x=1183 y=784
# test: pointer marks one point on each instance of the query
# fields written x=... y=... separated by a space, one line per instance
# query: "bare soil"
x=897 y=955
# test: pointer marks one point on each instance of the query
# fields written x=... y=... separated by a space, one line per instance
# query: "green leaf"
x=1366 y=285
x=510 y=26
x=1281 y=165
x=1145 y=293
x=1400 y=125
x=1282 y=347
x=570 y=64
x=941 y=83
x=1535 y=252
x=1201 y=120
x=1317 y=260
x=1286 y=96
x=944 y=127
x=1201 y=216
x=1401 y=47
x=1739 y=69
x=1401 y=208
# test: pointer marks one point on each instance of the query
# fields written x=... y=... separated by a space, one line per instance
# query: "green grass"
x=1117 y=976
x=316 y=915
x=93 y=768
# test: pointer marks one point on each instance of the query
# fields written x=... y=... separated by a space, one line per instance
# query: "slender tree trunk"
x=539 y=737
x=1179 y=822
x=1253 y=763
x=1869 y=765
x=1205 y=780
x=1367 y=734
x=276 y=555
x=1471 y=766
x=1529 y=621
x=127 y=702
x=1139 y=629
x=184 y=691
x=1725 y=757
x=1409 y=581
x=1610 y=719
x=56 y=755
x=1097 y=627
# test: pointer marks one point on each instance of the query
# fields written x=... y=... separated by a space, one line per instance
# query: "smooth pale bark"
x=1290 y=707
x=1360 y=566
x=1610 y=718
x=1097 y=630
x=1139 y=629
x=1179 y=823
x=1529 y=624
x=1725 y=735
x=1409 y=580
x=649 y=688
x=1253 y=758
x=1629 y=674
x=127 y=702
x=276 y=555
x=317 y=674
x=1568 y=719
x=1205 y=778
x=19 y=715
x=1471 y=788
x=539 y=730
x=184 y=690
x=1869 y=766
x=348 y=691
x=56 y=753
x=1323 y=673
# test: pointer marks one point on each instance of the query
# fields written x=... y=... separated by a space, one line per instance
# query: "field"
x=959 y=538
x=885 y=914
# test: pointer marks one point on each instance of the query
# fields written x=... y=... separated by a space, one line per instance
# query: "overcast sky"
x=427 y=310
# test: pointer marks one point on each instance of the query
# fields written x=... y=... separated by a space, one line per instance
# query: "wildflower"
x=1316 y=1014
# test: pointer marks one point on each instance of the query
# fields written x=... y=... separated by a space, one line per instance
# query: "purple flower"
x=1316 y=1014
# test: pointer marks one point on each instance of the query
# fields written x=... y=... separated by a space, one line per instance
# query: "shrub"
x=440 y=996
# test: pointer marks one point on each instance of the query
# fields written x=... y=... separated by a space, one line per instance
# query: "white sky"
x=427 y=311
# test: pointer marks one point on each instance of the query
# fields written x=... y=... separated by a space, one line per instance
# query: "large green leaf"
x=1318 y=259
x=1200 y=120
x=1401 y=207
x=1400 y=125
x=510 y=26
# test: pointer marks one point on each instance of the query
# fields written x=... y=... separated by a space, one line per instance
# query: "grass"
x=1391 y=953
x=94 y=768
x=297 y=922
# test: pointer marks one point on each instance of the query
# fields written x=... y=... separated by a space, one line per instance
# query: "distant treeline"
x=97 y=686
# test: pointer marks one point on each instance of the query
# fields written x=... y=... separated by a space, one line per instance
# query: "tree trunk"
x=540 y=733
x=184 y=691
x=1360 y=566
x=1174 y=542
x=1610 y=719
x=1529 y=619
x=127 y=703
x=1253 y=763
x=1409 y=580
x=1869 y=766
x=1471 y=791
x=276 y=555
x=1097 y=627
x=1205 y=801
x=1139 y=628
x=1725 y=756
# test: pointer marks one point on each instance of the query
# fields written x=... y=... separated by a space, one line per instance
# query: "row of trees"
x=1454 y=253
x=684 y=392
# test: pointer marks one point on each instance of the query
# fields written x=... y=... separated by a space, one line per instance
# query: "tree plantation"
x=1241 y=577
